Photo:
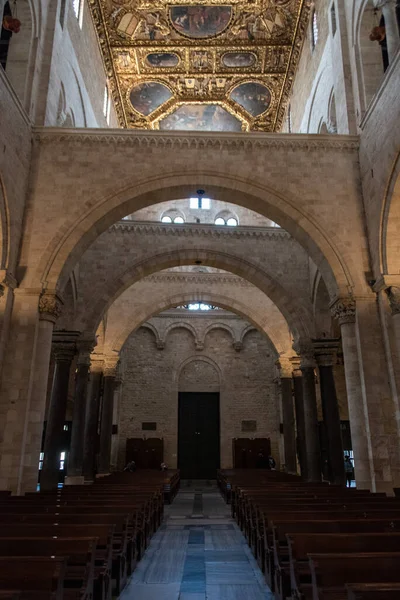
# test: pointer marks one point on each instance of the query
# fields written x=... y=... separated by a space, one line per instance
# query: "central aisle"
x=198 y=553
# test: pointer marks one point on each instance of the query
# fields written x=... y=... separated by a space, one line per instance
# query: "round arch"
x=186 y=326
x=4 y=228
x=298 y=318
x=280 y=340
x=154 y=331
x=76 y=234
x=213 y=326
x=390 y=224
x=197 y=358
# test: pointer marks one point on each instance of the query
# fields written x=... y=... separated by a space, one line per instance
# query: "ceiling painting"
x=200 y=65
x=200 y=117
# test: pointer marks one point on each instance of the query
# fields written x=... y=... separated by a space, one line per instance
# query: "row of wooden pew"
x=80 y=542
x=315 y=541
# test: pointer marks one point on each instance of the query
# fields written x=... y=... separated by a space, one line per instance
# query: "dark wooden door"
x=246 y=451
x=198 y=435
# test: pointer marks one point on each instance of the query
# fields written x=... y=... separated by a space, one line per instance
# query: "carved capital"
x=64 y=351
x=305 y=350
x=237 y=346
x=393 y=294
x=285 y=367
x=199 y=345
x=110 y=366
x=325 y=351
x=7 y=280
x=50 y=307
x=96 y=363
x=344 y=310
x=160 y=344
x=85 y=349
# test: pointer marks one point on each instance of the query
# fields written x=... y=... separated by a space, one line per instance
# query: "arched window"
x=173 y=216
x=314 y=29
x=226 y=218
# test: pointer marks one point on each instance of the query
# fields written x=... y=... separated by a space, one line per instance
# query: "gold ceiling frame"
x=242 y=82
x=278 y=82
x=223 y=103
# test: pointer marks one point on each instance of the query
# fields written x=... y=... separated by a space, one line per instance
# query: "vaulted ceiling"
x=205 y=65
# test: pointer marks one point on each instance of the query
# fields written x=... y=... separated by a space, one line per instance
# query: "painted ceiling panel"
x=203 y=65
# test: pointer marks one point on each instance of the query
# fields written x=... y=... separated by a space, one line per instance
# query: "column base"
x=74 y=480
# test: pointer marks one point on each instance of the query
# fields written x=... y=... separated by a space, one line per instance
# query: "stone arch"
x=297 y=317
x=219 y=326
x=390 y=224
x=119 y=338
x=315 y=118
x=155 y=332
x=178 y=325
x=194 y=359
x=20 y=65
x=76 y=234
x=4 y=228
x=322 y=314
x=245 y=331
x=368 y=54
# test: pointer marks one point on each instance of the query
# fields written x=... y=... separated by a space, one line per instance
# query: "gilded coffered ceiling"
x=205 y=65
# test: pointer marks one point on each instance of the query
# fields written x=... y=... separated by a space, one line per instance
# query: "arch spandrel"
x=269 y=174
x=294 y=312
x=120 y=328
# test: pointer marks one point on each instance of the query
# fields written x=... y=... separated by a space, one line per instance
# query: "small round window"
x=166 y=219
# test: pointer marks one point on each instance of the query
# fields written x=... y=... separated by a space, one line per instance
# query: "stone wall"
x=152 y=379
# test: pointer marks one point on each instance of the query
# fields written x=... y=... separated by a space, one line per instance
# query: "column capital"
x=305 y=350
x=96 y=363
x=393 y=294
x=110 y=366
x=325 y=351
x=85 y=348
x=50 y=307
x=64 y=344
x=285 y=367
x=344 y=310
x=7 y=280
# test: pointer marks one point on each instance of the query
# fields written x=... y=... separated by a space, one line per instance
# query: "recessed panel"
x=201 y=117
x=149 y=96
x=200 y=22
x=254 y=97
x=238 y=60
x=162 y=59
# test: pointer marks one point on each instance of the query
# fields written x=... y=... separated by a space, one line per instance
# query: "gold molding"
x=276 y=49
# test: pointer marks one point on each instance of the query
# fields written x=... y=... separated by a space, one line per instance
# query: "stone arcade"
x=115 y=233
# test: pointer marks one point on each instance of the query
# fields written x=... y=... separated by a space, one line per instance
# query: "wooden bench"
x=37 y=578
x=331 y=572
x=373 y=591
x=80 y=553
x=293 y=565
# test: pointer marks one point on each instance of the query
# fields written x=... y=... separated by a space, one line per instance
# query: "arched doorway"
x=198 y=420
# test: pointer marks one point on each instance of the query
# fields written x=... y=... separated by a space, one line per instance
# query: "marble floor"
x=198 y=553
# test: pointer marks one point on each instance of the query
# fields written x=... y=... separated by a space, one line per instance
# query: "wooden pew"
x=300 y=545
x=37 y=578
x=80 y=553
x=103 y=567
x=331 y=572
x=373 y=591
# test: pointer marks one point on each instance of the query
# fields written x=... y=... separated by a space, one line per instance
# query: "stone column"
x=289 y=430
x=64 y=351
x=75 y=461
x=393 y=294
x=115 y=437
x=325 y=353
x=92 y=418
x=345 y=311
x=312 y=448
x=388 y=8
x=300 y=422
x=109 y=373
